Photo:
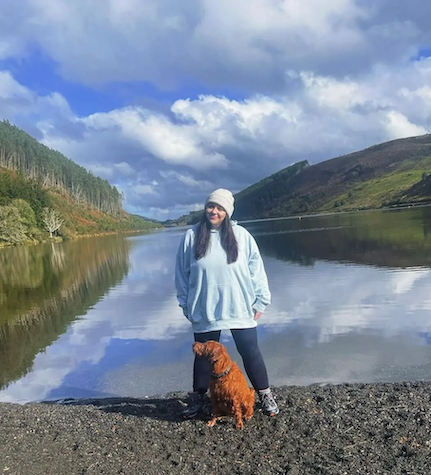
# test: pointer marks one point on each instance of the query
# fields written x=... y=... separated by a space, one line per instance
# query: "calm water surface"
x=98 y=317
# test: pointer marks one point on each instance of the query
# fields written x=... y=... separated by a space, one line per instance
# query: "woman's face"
x=215 y=214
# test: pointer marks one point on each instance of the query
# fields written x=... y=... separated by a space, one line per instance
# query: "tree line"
x=19 y=151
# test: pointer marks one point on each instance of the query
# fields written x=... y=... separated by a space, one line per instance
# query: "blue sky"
x=169 y=100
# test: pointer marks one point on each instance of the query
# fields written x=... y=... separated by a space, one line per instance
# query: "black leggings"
x=246 y=344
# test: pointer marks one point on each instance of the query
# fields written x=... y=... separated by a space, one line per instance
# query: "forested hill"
x=20 y=151
x=37 y=183
x=389 y=174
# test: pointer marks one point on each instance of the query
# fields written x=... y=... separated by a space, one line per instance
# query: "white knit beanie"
x=222 y=198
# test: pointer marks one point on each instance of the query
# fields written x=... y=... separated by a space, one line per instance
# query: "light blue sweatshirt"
x=215 y=295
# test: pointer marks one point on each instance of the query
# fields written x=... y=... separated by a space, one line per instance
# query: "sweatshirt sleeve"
x=259 y=278
x=182 y=272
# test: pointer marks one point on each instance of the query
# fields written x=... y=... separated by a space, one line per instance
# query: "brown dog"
x=229 y=391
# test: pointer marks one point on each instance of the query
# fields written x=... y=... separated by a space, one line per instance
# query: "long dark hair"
x=227 y=238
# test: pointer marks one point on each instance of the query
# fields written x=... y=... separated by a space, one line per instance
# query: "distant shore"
x=318 y=214
x=381 y=428
x=57 y=239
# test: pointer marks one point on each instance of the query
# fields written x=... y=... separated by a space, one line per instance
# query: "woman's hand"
x=257 y=314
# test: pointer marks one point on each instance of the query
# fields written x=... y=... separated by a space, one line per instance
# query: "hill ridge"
x=391 y=173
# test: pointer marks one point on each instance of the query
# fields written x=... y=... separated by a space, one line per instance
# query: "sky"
x=170 y=99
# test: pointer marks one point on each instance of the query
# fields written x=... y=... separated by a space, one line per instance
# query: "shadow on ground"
x=163 y=408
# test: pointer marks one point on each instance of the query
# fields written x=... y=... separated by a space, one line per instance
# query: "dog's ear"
x=197 y=348
x=216 y=353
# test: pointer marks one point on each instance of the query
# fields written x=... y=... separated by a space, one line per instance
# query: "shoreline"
x=371 y=428
x=75 y=237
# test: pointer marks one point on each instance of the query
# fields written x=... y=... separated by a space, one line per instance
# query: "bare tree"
x=52 y=220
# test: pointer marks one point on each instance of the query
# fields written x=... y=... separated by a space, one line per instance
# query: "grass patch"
x=377 y=192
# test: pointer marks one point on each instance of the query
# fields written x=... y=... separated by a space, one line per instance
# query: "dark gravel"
x=344 y=429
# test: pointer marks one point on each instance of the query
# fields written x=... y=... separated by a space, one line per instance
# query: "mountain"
x=37 y=182
x=389 y=174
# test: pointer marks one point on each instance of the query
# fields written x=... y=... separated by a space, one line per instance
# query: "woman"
x=221 y=285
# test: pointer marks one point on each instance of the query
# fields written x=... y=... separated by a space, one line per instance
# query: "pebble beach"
x=381 y=428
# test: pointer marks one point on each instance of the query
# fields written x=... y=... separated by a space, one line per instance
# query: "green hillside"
x=390 y=174
x=36 y=181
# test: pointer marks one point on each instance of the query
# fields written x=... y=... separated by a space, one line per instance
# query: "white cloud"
x=399 y=126
x=188 y=180
x=124 y=169
x=332 y=93
x=249 y=44
x=144 y=189
x=101 y=171
x=10 y=89
x=173 y=143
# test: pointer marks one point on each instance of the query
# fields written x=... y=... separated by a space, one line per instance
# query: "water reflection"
x=351 y=302
x=396 y=238
x=45 y=288
x=351 y=297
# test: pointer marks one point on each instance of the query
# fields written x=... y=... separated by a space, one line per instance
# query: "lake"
x=98 y=317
